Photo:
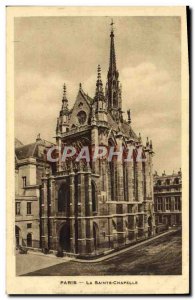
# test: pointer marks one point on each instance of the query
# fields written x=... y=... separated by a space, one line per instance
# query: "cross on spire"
x=112 y=25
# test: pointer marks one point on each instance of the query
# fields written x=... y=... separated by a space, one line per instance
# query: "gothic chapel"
x=90 y=208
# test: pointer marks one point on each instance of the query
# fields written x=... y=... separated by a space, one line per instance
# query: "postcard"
x=97 y=150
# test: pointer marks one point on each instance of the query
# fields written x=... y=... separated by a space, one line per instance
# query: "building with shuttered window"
x=30 y=165
x=168 y=200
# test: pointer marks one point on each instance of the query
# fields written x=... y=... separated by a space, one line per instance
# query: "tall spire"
x=99 y=95
x=113 y=91
x=64 y=99
x=112 y=66
x=99 y=109
x=62 y=121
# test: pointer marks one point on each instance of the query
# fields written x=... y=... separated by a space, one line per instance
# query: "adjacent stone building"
x=168 y=200
x=89 y=208
x=30 y=166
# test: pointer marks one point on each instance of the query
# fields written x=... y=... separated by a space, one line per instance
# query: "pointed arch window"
x=144 y=178
x=135 y=177
x=125 y=181
x=82 y=117
x=115 y=100
x=112 y=175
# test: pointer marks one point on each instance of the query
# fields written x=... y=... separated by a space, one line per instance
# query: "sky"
x=51 y=51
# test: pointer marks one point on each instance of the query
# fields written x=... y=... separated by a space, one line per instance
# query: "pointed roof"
x=25 y=151
x=85 y=96
x=126 y=129
x=32 y=150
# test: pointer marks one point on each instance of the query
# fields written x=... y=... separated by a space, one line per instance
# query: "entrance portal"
x=64 y=237
x=95 y=233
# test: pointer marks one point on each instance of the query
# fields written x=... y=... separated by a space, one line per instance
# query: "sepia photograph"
x=99 y=195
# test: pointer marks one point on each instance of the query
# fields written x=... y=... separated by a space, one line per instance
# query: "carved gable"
x=81 y=111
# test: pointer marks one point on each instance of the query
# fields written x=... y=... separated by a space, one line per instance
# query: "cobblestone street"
x=159 y=257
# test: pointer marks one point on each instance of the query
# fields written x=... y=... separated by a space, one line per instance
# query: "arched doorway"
x=29 y=240
x=64 y=237
x=17 y=235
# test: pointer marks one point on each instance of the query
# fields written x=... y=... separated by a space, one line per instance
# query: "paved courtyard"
x=159 y=257
x=34 y=261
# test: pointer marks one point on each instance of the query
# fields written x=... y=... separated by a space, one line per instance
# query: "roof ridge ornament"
x=147 y=142
x=140 y=138
x=80 y=86
x=129 y=116
x=38 y=139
